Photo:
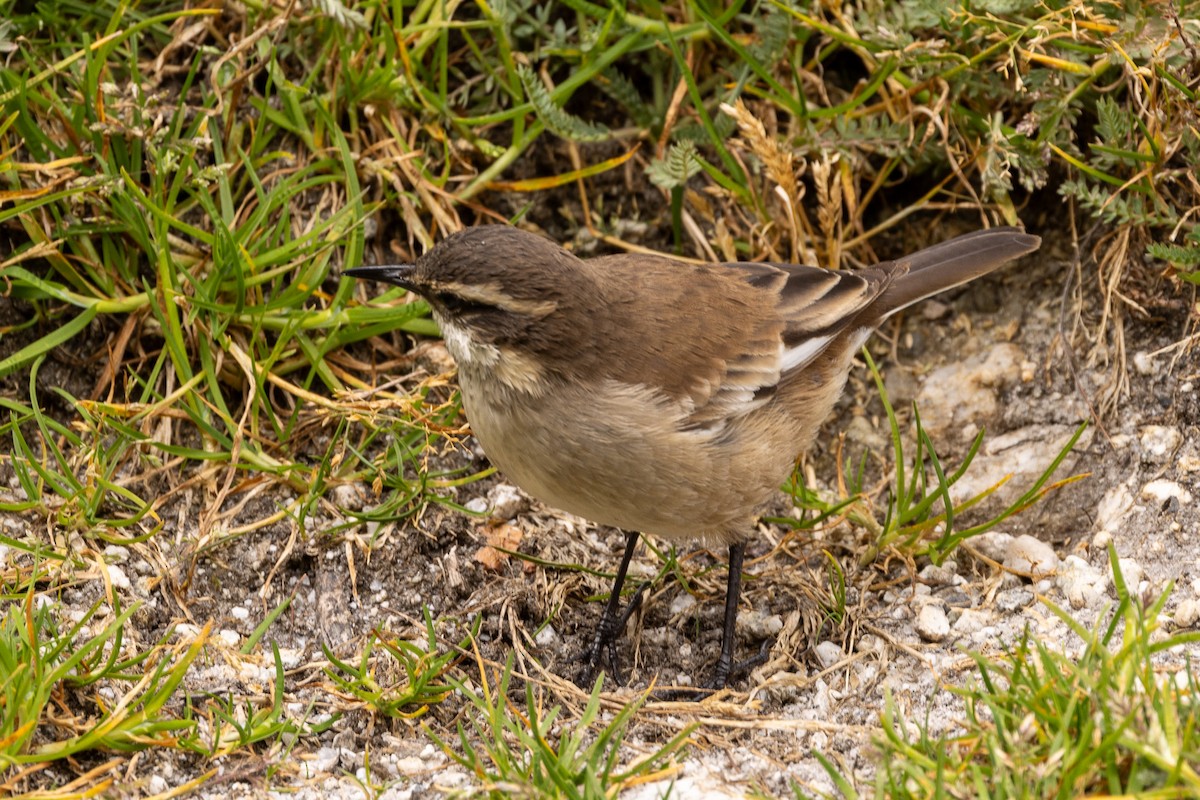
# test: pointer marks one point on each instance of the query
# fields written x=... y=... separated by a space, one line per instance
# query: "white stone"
x=943 y=575
x=349 y=496
x=1012 y=600
x=1162 y=490
x=822 y=702
x=1018 y=457
x=546 y=637
x=1143 y=362
x=967 y=392
x=118 y=577
x=1083 y=585
x=1159 y=442
x=993 y=544
x=324 y=760
x=1114 y=508
x=506 y=501
x=1132 y=572
x=114 y=554
x=1027 y=555
x=682 y=603
x=760 y=625
x=972 y=620
x=828 y=653
x=932 y=624
x=412 y=765
x=1187 y=612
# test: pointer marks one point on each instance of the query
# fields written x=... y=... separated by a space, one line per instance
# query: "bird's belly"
x=624 y=458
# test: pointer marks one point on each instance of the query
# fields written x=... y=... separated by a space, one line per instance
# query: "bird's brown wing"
x=748 y=327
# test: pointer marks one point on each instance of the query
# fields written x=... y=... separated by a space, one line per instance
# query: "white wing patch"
x=793 y=357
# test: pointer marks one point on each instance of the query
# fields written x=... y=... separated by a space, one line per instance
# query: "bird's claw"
x=605 y=642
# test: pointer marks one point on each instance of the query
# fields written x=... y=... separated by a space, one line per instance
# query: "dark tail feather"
x=951 y=263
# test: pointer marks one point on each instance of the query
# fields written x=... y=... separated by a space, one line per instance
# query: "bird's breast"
x=622 y=455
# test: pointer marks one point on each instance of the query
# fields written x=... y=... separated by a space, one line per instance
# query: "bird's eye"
x=458 y=306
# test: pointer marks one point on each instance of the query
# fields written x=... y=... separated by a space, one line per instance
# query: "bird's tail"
x=949 y=264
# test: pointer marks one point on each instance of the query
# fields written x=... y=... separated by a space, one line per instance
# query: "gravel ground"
x=985 y=357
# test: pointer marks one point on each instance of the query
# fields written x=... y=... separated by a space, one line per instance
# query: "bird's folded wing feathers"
x=755 y=325
x=800 y=312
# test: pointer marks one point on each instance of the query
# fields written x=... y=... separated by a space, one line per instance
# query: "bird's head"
x=498 y=294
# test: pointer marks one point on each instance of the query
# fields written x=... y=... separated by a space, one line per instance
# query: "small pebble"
x=869 y=643
x=1012 y=600
x=972 y=620
x=1187 y=612
x=1083 y=585
x=827 y=654
x=682 y=603
x=1159 y=442
x=932 y=624
x=938 y=575
x=784 y=687
x=411 y=766
x=1143 y=363
x=546 y=637
x=1113 y=508
x=1027 y=555
x=1162 y=490
x=506 y=501
x=822 y=703
x=324 y=760
x=118 y=577
x=760 y=625
x=348 y=495
x=1132 y=571
x=993 y=544
x=955 y=599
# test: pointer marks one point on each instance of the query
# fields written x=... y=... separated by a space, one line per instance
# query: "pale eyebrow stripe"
x=492 y=295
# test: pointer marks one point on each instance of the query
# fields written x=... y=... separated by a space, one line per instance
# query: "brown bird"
x=659 y=396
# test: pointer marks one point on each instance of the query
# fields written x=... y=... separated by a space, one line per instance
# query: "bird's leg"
x=612 y=622
x=733 y=593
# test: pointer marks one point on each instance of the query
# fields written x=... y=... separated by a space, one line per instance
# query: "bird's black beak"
x=399 y=274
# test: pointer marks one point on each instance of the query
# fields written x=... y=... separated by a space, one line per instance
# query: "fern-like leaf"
x=554 y=117
x=1183 y=258
x=1113 y=123
x=681 y=162
x=619 y=88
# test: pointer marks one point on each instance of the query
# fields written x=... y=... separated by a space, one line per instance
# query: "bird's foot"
x=724 y=670
x=604 y=643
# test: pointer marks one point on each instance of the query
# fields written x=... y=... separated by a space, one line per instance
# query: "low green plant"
x=919 y=516
x=231 y=727
x=423 y=679
x=1044 y=724
x=1109 y=721
x=511 y=750
x=39 y=661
